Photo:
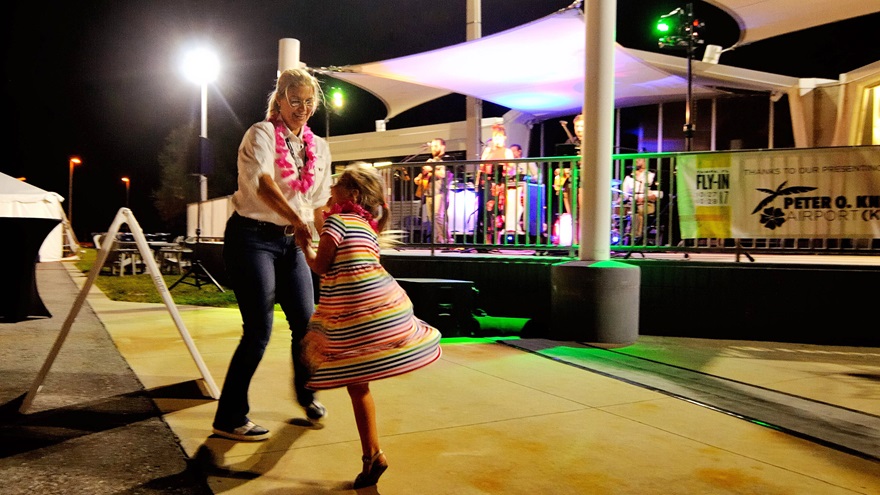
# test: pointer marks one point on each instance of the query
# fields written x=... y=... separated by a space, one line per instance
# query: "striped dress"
x=364 y=328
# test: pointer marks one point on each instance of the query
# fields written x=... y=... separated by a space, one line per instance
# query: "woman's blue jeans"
x=264 y=266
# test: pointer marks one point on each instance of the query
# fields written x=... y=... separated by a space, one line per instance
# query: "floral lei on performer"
x=349 y=207
x=306 y=176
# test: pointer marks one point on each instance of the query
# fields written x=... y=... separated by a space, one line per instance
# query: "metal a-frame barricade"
x=124 y=215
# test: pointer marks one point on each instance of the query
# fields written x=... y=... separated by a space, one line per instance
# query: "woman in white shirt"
x=284 y=176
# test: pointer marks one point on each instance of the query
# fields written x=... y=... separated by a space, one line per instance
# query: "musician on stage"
x=562 y=180
x=578 y=137
x=525 y=171
x=636 y=190
x=434 y=182
x=488 y=182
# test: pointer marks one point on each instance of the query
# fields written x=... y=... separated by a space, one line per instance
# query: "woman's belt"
x=267 y=227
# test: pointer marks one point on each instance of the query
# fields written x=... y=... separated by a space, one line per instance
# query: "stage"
x=816 y=299
x=797 y=298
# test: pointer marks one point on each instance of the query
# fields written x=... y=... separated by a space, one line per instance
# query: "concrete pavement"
x=121 y=411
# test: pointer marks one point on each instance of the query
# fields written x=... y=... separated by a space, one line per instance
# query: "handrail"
x=537 y=212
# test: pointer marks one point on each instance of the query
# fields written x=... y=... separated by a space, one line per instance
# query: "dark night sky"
x=100 y=79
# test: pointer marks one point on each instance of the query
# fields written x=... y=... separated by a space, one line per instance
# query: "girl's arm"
x=319 y=217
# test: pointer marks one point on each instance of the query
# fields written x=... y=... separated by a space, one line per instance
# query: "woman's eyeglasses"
x=296 y=102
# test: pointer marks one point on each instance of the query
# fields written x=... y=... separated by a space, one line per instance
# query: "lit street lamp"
x=74 y=160
x=202 y=67
x=127 y=185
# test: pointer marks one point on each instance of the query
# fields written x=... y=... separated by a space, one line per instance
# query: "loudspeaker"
x=206 y=156
x=445 y=304
x=535 y=207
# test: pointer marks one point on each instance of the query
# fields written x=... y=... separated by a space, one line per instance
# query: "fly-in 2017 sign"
x=815 y=193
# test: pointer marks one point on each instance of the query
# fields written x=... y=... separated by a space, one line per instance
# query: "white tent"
x=23 y=200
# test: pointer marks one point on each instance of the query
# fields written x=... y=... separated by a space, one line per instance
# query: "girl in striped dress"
x=364 y=328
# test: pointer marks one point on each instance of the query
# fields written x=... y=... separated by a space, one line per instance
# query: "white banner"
x=802 y=193
x=215 y=213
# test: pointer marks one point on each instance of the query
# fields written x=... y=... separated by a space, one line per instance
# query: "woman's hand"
x=299 y=225
x=270 y=194
x=304 y=239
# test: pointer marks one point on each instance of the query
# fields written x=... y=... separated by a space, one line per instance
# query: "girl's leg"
x=365 y=417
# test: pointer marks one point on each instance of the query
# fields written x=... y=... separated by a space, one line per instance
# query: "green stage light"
x=663 y=26
x=337 y=98
x=669 y=26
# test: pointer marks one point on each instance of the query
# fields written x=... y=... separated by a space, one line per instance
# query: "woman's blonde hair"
x=297 y=78
x=362 y=178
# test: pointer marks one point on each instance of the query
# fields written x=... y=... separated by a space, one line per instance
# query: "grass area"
x=140 y=288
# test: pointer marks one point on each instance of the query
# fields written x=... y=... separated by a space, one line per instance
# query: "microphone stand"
x=412 y=157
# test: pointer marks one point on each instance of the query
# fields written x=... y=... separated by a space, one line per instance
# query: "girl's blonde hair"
x=297 y=78
x=362 y=178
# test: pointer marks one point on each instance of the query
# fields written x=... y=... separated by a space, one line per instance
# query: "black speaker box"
x=445 y=304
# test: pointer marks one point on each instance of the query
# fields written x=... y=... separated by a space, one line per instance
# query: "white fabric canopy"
x=22 y=200
x=762 y=19
x=550 y=83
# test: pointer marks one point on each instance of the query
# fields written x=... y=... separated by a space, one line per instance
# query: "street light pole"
x=201 y=67
x=74 y=160
x=203 y=179
x=127 y=184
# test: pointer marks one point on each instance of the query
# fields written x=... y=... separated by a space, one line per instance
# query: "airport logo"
x=773 y=217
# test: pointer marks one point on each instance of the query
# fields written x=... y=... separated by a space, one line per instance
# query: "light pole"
x=74 y=160
x=127 y=185
x=201 y=67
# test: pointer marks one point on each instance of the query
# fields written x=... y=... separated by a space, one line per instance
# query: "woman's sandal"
x=373 y=469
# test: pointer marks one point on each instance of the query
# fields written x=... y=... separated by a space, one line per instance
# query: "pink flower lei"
x=306 y=176
x=349 y=207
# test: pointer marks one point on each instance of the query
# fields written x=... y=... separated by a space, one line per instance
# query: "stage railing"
x=523 y=204
x=530 y=205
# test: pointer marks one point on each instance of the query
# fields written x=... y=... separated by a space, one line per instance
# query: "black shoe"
x=249 y=432
x=316 y=411
x=373 y=468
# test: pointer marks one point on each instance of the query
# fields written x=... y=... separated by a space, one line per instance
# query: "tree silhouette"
x=176 y=186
